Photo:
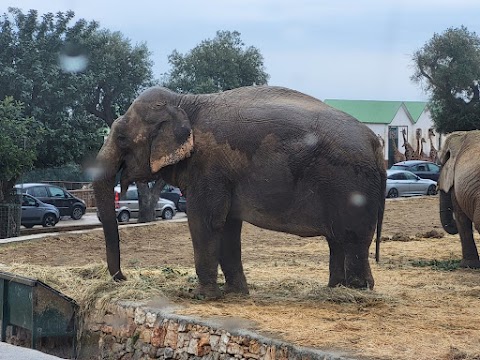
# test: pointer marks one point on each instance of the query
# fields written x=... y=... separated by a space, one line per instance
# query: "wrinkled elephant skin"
x=459 y=185
x=271 y=156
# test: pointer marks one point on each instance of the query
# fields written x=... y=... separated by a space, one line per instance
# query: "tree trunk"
x=148 y=196
x=6 y=191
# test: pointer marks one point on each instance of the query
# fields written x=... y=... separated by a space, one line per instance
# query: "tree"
x=220 y=64
x=18 y=138
x=39 y=66
x=448 y=66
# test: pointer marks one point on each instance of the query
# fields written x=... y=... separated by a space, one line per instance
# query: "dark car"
x=36 y=212
x=174 y=194
x=67 y=204
x=421 y=168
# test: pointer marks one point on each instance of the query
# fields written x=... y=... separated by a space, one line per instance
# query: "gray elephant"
x=459 y=185
x=271 y=156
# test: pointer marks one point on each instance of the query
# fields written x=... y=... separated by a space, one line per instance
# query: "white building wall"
x=402 y=119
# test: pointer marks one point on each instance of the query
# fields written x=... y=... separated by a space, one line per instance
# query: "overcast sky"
x=329 y=49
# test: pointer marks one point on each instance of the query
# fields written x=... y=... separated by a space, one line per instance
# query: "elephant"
x=459 y=185
x=271 y=156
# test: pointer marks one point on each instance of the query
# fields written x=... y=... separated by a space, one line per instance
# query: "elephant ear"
x=448 y=158
x=174 y=140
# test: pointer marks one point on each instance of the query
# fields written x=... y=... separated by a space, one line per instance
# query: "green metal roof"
x=376 y=111
x=415 y=108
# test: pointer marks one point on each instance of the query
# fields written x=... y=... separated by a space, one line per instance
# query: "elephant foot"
x=236 y=285
x=471 y=264
x=358 y=283
x=118 y=276
x=236 y=289
x=337 y=282
x=207 y=292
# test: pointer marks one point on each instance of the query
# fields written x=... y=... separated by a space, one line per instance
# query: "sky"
x=344 y=49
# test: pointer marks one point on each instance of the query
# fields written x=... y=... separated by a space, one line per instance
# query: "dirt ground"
x=423 y=305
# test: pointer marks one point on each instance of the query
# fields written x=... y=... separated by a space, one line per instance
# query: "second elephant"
x=459 y=185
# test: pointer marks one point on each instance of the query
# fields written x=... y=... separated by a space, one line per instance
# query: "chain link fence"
x=10 y=217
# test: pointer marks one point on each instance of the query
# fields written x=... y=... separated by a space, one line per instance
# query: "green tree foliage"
x=72 y=103
x=220 y=64
x=448 y=66
x=18 y=136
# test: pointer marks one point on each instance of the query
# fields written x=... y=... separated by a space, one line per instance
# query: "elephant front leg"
x=205 y=242
x=469 y=249
x=231 y=258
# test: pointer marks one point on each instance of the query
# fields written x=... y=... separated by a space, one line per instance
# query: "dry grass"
x=423 y=306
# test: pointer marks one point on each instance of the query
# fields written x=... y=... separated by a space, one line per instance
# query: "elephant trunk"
x=109 y=161
x=446 y=213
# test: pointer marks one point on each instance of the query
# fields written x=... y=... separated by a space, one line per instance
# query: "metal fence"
x=10 y=219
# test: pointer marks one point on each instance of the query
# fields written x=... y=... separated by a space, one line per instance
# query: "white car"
x=126 y=207
x=405 y=183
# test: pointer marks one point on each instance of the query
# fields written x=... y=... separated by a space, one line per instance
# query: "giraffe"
x=418 y=136
x=397 y=155
x=382 y=142
x=409 y=152
x=433 y=151
x=423 y=156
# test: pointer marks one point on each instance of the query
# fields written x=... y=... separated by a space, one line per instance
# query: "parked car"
x=405 y=183
x=68 y=204
x=424 y=169
x=126 y=207
x=36 y=212
x=174 y=194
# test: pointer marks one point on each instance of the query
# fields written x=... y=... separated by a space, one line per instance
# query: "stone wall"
x=130 y=331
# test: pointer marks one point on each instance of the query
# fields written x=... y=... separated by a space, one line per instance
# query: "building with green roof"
x=389 y=119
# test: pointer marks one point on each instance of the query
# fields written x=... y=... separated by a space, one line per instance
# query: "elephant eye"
x=122 y=140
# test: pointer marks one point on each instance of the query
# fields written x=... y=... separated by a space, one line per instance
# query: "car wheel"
x=432 y=190
x=28 y=226
x=167 y=214
x=77 y=213
x=49 y=220
x=124 y=216
x=393 y=193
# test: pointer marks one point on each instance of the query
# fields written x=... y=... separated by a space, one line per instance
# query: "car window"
x=421 y=167
x=433 y=167
x=56 y=192
x=131 y=194
x=397 y=176
x=397 y=167
x=38 y=191
x=28 y=201
x=410 y=176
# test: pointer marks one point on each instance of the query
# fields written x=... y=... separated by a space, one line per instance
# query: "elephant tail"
x=381 y=206
x=380 y=212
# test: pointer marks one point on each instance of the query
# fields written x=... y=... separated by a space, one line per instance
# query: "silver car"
x=126 y=207
x=36 y=212
x=405 y=183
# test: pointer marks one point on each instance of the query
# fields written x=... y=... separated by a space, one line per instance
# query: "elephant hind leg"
x=337 y=263
x=357 y=267
x=230 y=257
x=349 y=264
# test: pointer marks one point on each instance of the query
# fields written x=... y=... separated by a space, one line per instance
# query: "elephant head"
x=154 y=133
